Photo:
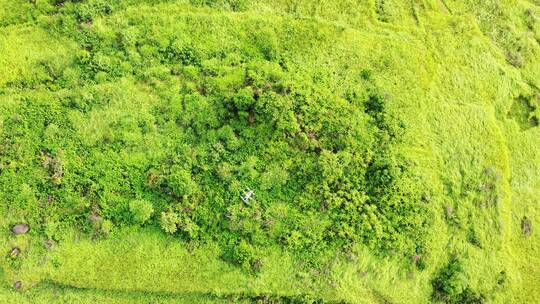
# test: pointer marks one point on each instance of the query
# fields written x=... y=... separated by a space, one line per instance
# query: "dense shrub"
x=141 y=211
x=451 y=285
x=169 y=221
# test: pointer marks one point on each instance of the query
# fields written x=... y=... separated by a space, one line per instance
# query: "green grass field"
x=392 y=149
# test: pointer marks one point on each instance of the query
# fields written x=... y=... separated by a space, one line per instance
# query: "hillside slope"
x=391 y=147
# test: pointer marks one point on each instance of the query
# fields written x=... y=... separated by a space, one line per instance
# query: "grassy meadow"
x=391 y=147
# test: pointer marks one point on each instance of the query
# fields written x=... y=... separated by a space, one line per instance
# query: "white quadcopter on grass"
x=247 y=196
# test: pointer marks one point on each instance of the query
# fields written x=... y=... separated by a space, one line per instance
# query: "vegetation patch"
x=524 y=112
x=292 y=151
x=451 y=285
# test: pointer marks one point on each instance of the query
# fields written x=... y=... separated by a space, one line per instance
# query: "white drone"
x=246 y=197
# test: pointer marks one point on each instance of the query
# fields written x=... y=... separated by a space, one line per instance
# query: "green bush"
x=451 y=285
x=244 y=255
x=141 y=211
x=169 y=221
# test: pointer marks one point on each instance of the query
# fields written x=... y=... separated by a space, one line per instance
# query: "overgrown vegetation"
x=287 y=152
x=451 y=285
